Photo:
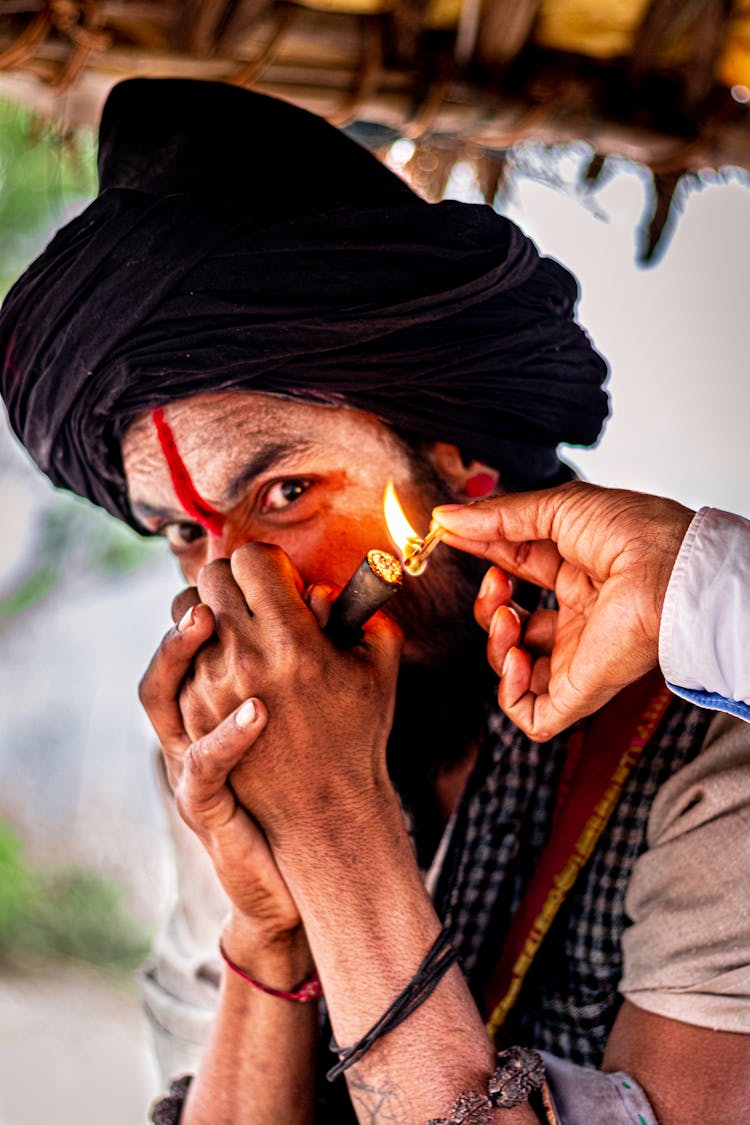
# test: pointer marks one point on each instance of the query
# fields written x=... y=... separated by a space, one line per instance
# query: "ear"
x=467 y=480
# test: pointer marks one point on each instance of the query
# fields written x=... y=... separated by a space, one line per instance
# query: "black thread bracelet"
x=424 y=982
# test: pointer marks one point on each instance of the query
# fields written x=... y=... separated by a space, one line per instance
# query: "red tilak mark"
x=185 y=490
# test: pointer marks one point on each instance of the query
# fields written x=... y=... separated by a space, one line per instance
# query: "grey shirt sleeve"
x=687 y=953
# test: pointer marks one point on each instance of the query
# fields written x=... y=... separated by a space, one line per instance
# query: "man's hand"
x=608 y=555
x=198 y=772
x=329 y=710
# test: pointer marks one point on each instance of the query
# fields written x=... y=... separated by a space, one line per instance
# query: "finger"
x=384 y=640
x=319 y=597
x=496 y=590
x=535 y=562
x=504 y=634
x=515 y=516
x=518 y=530
x=218 y=588
x=540 y=672
x=541 y=631
x=160 y=687
x=204 y=798
x=524 y=697
x=184 y=601
x=271 y=586
x=515 y=677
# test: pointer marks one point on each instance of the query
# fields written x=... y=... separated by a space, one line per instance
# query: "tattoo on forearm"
x=377 y=1103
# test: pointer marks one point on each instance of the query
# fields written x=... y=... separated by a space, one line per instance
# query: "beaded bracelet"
x=168 y=1110
x=308 y=989
x=519 y=1073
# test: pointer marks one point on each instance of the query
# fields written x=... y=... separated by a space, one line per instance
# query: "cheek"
x=202 y=552
x=326 y=554
x=190 y=569
x=331 y=549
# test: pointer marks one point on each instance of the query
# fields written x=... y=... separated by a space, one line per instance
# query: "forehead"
x=221 y=435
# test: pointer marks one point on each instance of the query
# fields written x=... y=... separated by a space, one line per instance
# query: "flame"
x=400 y=530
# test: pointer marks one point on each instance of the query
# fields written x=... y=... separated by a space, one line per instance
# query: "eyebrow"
x=273 y=453
x=270 y=454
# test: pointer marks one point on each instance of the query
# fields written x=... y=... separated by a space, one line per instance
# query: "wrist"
x=336 y=823
x=280 y=959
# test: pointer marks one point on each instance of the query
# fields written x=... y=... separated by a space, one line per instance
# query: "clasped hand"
x=313 y=740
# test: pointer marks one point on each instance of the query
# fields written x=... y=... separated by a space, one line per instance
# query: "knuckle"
x=224 y=737
x=193 y=766
x=287 y=663
x=252 y=560
x=147 y=693
x=213 y=574
x=184 y=805
x=257 y=550
x=521 y=553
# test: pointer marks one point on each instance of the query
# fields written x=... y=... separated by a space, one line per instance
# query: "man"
x=243 y=373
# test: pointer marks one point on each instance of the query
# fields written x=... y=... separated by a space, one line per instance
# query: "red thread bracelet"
x=309 y=989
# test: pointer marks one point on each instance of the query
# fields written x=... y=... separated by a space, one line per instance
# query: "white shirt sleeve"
x=703 y=640
x=180 y=983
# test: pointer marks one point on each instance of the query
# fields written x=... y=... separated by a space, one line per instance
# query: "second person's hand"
x=608 y=556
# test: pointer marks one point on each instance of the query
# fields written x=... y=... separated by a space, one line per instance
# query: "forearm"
x=370 y=924
x=259 y=1065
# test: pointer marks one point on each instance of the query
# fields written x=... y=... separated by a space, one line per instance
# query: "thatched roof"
x=662 y=82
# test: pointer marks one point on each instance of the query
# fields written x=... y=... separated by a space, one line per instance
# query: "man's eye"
x=182 y=535
x=283 y=493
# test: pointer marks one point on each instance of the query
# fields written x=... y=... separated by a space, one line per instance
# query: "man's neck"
x=437 y=730
x=450 y=783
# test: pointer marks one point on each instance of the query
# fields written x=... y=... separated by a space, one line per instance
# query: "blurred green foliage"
x=44 y=176
x=52 y=913
x=74 y=540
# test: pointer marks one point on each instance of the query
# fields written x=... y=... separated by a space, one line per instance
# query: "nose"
x=216 y=548
x=231 y=538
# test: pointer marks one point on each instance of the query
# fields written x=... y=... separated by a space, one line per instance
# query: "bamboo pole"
x=318 y=63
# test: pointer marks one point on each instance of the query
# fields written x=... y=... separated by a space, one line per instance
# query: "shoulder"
x=714 y=785
x=687 y=952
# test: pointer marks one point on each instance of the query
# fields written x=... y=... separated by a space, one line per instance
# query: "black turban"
x=240 y=243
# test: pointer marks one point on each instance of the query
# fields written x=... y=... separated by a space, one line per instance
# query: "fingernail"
x=449 y=507
x=506 y=662
x=486 y=586
x=511 y=610
x=186 y=620
x=247 y=714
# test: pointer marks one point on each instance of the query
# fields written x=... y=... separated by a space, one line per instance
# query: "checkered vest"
x=569 y=1000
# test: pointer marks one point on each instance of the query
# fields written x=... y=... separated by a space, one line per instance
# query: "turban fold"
x=240 y=243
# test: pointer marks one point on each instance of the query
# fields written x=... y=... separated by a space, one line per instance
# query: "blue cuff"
x=713 y=701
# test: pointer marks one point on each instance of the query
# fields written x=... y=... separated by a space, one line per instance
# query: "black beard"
x=440 y=714
x=445 y=683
